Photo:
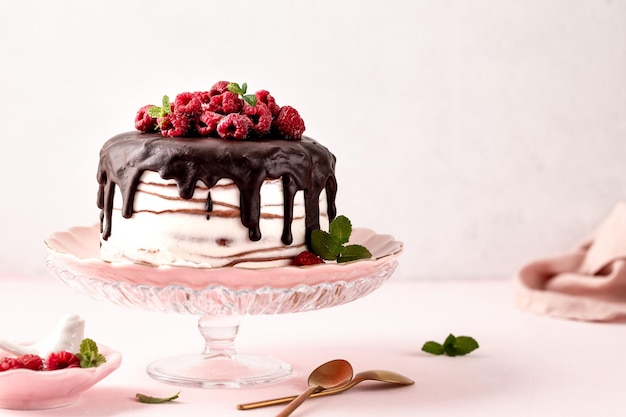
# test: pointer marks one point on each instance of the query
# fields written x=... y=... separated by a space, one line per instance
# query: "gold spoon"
x=328 y=375
x=371 y=375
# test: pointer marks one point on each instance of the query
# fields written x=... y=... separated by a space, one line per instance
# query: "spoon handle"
x=284 y=400
x=297 y=401
x=266 y=403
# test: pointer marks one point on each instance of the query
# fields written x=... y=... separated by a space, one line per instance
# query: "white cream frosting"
x=168 y=230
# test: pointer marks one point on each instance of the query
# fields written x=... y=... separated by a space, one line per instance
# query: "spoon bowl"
x=328 y=375
x=370 y=375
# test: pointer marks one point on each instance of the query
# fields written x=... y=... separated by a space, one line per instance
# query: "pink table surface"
x=527 y=365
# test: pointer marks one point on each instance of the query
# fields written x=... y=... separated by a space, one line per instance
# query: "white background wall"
x=483 y=134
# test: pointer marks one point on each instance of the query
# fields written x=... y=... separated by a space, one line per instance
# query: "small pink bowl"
x=24 y=389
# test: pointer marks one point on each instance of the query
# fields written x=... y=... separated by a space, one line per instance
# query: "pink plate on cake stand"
x=219 y=296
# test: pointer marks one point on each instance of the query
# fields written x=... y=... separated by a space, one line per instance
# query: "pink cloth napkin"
x=587 y=284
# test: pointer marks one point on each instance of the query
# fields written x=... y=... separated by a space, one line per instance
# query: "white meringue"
x=66 y=336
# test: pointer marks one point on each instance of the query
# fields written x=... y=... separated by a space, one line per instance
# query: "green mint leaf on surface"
x=324 y=245
x=433 y=348
x=142 y=398
x=448 y=345
x=354 y=253
x=340 y=229
x=465 y=345
x=89 y=355
x=452 y=346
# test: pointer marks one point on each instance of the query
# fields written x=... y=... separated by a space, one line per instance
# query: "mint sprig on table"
x=241 y=91
x=147 y=399
x=331 y=245
x=89 y=355
x=452 y=346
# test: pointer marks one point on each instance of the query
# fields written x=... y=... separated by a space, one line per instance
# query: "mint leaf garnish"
x=330 y=245
x=236 y=89
x=142 y=398
x=452 y=346
x=159 y=112
x=250 y=99
x=353 y=253
x=241 y=90
x=89 y=355
x=340 y=229
x=324 y=245
x=165 y=104
x=154 y=112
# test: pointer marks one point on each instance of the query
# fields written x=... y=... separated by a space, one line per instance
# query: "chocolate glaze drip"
x=302 y=164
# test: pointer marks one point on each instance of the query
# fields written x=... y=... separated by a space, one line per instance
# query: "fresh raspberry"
x=219 y=88
x=175 y=125
x=188 y=103
x=144 y=122
x=260 y=116
x=62 y=360
x=207 y=122
x=306 y=258
x=204 y=97
x=28 y=361
x=231 y=103
x=215 y=104
x=7 y=364
x=234 y=126
x=266 y=98
x=289 y=123
x=226 y=103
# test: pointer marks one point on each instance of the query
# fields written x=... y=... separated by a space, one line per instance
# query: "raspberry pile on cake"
x=214 y=178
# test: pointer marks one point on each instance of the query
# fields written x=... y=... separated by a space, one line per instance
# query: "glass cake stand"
x=219 y=296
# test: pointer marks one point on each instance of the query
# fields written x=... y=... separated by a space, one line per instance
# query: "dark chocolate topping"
x=302 y=164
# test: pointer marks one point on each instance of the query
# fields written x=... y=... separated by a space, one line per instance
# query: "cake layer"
x=210 y=201
x=168 y=230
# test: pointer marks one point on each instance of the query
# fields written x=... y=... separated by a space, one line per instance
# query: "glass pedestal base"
x=219 y=365
x=218 y=371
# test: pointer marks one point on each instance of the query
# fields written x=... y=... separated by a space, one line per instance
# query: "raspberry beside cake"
x=217 y=178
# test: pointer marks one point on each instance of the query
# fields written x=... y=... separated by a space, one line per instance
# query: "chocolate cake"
x=214 y=199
